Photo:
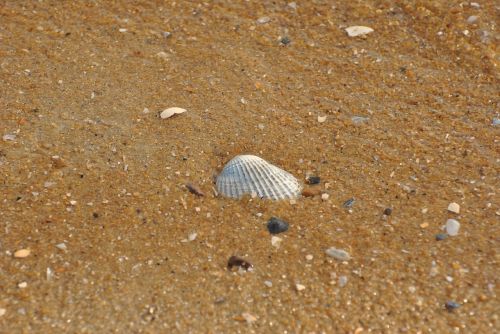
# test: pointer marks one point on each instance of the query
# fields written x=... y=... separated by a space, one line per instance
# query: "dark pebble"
x=441 y=236
x=194 y=189
x=313 y=180
x=276 y=225
x=451 y=305
x=236 y=261
x=349 y=203
x=285 y=41
x=95 y=215
x=387 y=211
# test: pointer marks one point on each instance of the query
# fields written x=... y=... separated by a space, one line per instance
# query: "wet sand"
x=93 y=185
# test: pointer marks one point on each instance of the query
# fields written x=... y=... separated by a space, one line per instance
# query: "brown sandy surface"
x=83 y=165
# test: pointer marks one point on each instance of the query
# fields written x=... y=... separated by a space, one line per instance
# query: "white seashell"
x=167 y=113
x=249 y=174
x=358 y=31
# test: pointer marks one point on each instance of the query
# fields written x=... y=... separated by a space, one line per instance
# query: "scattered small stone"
x=122 y=30
x=49 y=274
x=2 y=312
x=276 y=225
x=338 y=254
x=249 y=318
x=454 y=207
x=313 y=180
x=263 y=20
x=269 y=284
x=309 y=257
x=475 y=5
x=276 y=241
x=192 y=236
x=441 y=236
x=349 y=203
x=62 y=246
x=194 y=189
x=22 y=253
x=354 y=31
x=166 y=34
x=424 y=225
x=22 y=285
x=310 y=192
x=58 y=162
x=451 y=305
x=388 y=211
x=292 y=5
x=9 y=137
x=169 y=112
x=321 y=119
x=325 y=197
x=359 y=119
x=285 y=41
x=145 y=111
x=472 y=19
x=342 y=281
x=299 y=287
x=452 y=227
x=495 y=122
x=236 y=261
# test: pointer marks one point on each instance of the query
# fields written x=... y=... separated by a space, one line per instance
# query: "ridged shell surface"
x=247 y=174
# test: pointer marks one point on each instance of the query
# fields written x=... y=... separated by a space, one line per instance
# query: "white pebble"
x=354 y=31
x=338 y=254
x=61 y=246
x=309 y=257
x=454 y=207
x=2 y=312
x=473 y=18
x=342 y=281
x=452 y=227
x=22 y=285
x=276 y=241
x=321 y=119
x=192 y=236
x=292 y=5
x=8 y=137
x=269 y=284
x=325 y=197
x=263 y=20
x=299 y=287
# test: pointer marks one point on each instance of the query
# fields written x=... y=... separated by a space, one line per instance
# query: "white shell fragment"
x=454 y=207
x=338 y=254
x=167 y=113
x=354 y=31
x=249 y=174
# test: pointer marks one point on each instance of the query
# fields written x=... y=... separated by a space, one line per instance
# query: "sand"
x=93 y=181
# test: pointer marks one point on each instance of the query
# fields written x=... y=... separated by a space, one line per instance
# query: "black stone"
x=387 y=211
x=451 y=305
x=285 y=41
x=349 y=203
x=313 y=180
x=441 y=236
x=276 y=225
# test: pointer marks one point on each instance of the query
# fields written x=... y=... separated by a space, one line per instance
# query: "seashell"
x=249 y=174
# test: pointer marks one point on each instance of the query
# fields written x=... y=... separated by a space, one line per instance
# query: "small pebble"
x=292 y=5
x=452 y=227
x=263 y=20
x=309 y=257
x=495 y=122
x=451 y=305
x=299 y=287
x=276 y=241
x=325 y=196
x=269 y=284
x=2 y=312
x=424 y=225
x=359 y=119
x=354 y=31
x=249 y=318
x=285 y=41
x=22 y=253
x=321 y=119
x=236 y=261
x=441 y=236
x=192 y=236
x=342 y=281
x=338 y=254
x=388 y=211
x=313 y=180
x=276 y=225
x=22 y=285
x=349 y=203
x=454 y=207
x=472 y=19
x=61 y=246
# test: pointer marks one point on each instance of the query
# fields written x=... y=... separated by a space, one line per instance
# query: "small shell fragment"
x=22 y=253
x=354 y=31
x=167 y=113
x=454 y=207
x=249 y=174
